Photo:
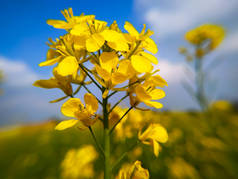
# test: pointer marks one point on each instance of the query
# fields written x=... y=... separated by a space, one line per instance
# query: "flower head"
x=113 y=71
x=147 y=92
x=211 y=34
x=75 y=108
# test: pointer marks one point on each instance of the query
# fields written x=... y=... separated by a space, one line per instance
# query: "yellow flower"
x=96 y=34
x=207 y=33
x=154 y=134
x=58 y=81
x=78 y=163
x=135 y=171
x=109 y=72
x=91 y=32
x=74 y=108
x=71 y=20
x=147 y=92
x=222 y=105
x=141 y=61
x=63 y=54
x=136 y=36
x=115 y=40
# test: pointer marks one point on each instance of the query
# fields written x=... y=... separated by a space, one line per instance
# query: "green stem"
x=124 y=97
x=137 y=45
x=111 y=94
x=121 y=119
x=200 y=94
x=107 y=168
x=124 y=155
x=96 y=142
x=82 y=67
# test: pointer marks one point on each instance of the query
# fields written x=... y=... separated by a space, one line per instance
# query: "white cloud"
x=167 y=17
x=17 y=73
x=171 y=72
x=21 y=101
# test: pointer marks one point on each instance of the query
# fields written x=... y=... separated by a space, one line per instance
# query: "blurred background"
x=202 y=145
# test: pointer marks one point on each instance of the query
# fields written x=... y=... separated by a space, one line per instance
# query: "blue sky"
x=24 y=33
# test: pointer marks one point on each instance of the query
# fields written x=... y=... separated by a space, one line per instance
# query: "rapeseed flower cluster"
x=121 y=60
x=204 y=39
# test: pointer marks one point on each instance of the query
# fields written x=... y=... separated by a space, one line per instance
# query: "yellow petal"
x=157 y=94
x=66 y=124
x=139 y=172
x=119 y=45
x=94 y=42
x=81 y=29
x=118 y=78
x=71 y=106
x=158 y=81
x=131 y=29
x=150 y=45
x=59 y=24
x=68 y=66
x=152 y=58
x=111 y=35
x=84 y=18
x=155 y=146
x=103 y=73
x=51 y=53
x=51 y=83
x=115 y=40
x=141 y=93
x=153 y=104
x=108 y=61
x=126 y=68
x=79 y=42
x=50 y=62
x=91 y=102
x=86 y=118
x=141 y=64
x=158 y=133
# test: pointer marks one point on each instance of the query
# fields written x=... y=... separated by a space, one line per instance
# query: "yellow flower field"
x=200 y=145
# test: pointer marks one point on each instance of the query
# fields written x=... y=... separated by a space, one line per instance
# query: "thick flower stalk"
x=205 y=39
x=95 y=55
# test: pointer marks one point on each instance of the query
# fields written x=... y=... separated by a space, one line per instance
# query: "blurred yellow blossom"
x=154 y=134
x=210 y=33
x=129 y=125
x=78 y=163
x=181 y=169
x=134 y=171
x=222 y=105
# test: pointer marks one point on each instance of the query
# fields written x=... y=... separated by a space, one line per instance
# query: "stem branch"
x=121 y=119
x=96 y=142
